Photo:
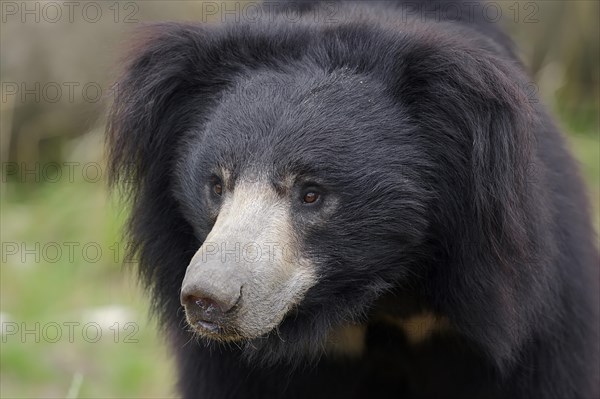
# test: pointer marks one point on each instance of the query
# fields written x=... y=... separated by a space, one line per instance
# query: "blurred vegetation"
x=84 y=287
x=559 y=43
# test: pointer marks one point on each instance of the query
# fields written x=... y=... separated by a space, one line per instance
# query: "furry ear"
x=147 y=119
x=174 y=76
x=473 y=107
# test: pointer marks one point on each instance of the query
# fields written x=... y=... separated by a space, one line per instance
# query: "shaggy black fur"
x=457 y=196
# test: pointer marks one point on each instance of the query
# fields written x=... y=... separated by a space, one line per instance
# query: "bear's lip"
x=209 y=326
x=214 y=330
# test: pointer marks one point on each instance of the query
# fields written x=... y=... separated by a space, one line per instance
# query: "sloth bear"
x=363 y=201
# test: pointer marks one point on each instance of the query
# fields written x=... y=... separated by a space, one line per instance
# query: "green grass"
x=586 y=149
x=64 y=291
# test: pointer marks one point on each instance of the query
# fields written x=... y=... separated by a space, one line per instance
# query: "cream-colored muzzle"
x=249 y=271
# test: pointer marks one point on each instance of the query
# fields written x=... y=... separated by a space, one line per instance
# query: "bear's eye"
x=217 y=185
x=218 y=188
x=310 y=197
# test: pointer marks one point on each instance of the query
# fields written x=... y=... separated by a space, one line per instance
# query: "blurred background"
x=74 y=321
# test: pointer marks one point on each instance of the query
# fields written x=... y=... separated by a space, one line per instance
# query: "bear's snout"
x=207 y=306
x=251 y=246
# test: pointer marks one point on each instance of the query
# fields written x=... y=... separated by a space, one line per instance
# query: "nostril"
x=204 y=310
x=210 y=299
x=207 y=305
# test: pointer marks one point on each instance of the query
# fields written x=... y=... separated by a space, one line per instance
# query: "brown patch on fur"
x=348 y=340
x=420 y=327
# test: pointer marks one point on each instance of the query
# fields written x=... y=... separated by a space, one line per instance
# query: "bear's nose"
x=206 y=305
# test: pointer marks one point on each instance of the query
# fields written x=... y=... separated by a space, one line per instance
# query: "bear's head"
x=303 y=186
x=285 y=178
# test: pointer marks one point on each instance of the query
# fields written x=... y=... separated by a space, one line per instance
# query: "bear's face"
x=292 y=227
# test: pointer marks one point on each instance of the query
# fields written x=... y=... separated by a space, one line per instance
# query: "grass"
x=586 y=149
x=83 y=287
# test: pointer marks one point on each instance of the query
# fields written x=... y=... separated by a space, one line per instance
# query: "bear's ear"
x=175 y=74
x=475 y=109
x=167 y=69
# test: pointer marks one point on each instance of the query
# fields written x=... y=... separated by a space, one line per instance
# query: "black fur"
x=457 y=196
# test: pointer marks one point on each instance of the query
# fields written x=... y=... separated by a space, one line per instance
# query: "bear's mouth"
x=220 y=326
x=229 y=327
x=209 y=326
x=217 y=331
